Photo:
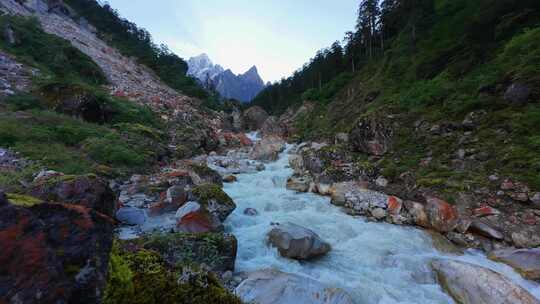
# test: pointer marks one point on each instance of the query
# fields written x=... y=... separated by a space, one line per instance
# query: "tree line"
x=378 y=22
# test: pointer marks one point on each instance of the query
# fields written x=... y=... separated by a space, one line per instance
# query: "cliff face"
x=128 y=78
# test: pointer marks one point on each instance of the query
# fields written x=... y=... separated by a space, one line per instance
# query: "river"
x=374 y=262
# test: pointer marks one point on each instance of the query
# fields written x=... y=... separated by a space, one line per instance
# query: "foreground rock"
x=275 y=287
x=297 y=242
x=471 y=284
x=170 y=268
x=268 y=148
x=89 y=191
x=53 y=253
x=525 y=261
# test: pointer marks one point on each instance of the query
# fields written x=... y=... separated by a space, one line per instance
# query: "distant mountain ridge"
x=243 y=87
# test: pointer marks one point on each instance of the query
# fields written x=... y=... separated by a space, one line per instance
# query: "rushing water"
x=374 y=262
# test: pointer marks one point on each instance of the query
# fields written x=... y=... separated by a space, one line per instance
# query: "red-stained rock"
x=88 y=191
x=244 y=140
x=53 y=253
x=485 y=211
x=507 y=185
x=195 y=222
x=394 y=205
x=176 y=174
x=442 y=216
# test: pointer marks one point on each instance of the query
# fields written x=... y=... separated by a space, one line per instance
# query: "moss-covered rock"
x=143 y=276
x=213 y=198
x=23 y=200
x=86 y=190
x=215 y=250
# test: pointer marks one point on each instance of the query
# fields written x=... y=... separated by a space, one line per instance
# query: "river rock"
x=471 y=284
x=268 y=148
x=442 y=216
x=297 y=242
x=229 y=179
x=486 y=230
x=131 y=216
x=251 y=212
x=525 y=261
x=418 y=213
x=338 y=192
x=214 y=200
x=299 y=184
x=275 y=287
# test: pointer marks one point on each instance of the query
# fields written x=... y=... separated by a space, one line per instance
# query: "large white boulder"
x=471 y=284
x=271 y=286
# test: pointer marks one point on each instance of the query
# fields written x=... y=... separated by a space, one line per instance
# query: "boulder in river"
x=268 y=148
x=299 y=184
x=525 y=261
x=297 y=242
x=131 y=216
x=471 y=284
x=271 y=286
x=254 y=118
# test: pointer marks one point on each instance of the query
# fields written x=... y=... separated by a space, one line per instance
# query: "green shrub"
x=23 y=102
x=112 y=151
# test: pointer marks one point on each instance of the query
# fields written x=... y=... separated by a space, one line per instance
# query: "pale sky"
x=278 y=36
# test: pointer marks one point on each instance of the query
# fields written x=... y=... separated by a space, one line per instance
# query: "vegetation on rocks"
x=207 y=192
x=144 y=277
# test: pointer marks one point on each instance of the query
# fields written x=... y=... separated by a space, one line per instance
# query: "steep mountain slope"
x=243 y=87
x=128 y=78
x=447 y=106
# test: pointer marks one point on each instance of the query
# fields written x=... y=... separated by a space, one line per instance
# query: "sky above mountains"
x=278 y=36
